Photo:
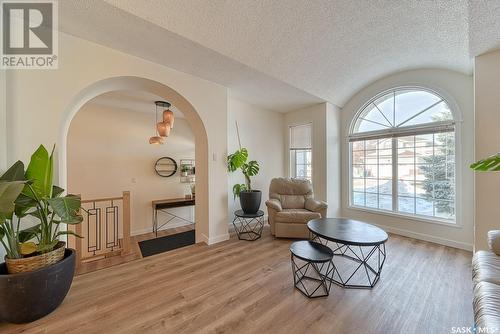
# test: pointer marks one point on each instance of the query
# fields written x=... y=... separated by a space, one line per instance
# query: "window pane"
x=371 y=185
x=358 y=185
x=406 y=204
x=358 y=171
x=385 y=187
x=445 y=209
x=385 y=156
x=358 y=198
x=385 y=171
x=371 y=200
x=371 y=171
x=424 y=207
x=385 y=202
x=406 y=188
x=358 y=145
x=406 y=172
x=406 y=155
x=411 y=102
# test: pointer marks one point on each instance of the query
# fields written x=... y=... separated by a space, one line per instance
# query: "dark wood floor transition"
x=246 y=287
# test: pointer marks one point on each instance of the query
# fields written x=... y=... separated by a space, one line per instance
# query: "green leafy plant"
x=32 y=193
x=491 y=163
x=238 y=160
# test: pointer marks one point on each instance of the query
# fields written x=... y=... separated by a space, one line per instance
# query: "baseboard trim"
x=150 y=229
x=217 y=239
x=203 y=238
x=426 y=237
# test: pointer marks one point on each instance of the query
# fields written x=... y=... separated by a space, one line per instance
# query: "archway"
x=140 y=84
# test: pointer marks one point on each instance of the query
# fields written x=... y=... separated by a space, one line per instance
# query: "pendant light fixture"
x=163 y=127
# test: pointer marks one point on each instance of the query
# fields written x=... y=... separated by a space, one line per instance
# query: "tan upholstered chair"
x=290 y=206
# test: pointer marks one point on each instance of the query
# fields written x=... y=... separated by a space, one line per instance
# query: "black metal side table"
x=248 y=226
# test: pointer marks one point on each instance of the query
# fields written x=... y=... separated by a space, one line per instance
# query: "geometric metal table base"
x=321 y=284
x=249 y=229
x=370 y=271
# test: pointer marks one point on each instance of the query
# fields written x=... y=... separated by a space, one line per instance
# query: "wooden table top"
x=172 y=202
x=348 y=231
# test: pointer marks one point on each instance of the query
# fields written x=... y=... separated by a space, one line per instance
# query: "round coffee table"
x=248 y=226
x=356 y=241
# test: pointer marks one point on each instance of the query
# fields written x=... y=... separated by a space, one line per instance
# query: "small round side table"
x=248 y=226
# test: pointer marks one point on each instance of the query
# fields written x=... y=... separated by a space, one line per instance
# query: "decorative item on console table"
x=249 y=198
x=39 y=269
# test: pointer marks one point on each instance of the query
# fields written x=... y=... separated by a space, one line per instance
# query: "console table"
x=163 y=204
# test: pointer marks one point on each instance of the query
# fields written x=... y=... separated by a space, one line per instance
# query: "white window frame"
x=291 y=164
x=458 y=170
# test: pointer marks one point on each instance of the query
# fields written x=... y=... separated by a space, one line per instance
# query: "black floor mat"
x=167 y=243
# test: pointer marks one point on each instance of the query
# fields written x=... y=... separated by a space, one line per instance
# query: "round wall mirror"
x=165 y=167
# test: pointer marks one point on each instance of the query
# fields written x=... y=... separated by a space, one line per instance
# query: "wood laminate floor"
x=246 y=287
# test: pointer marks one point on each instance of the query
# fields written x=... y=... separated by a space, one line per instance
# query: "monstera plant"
x=238 y=160
x=38 y=270
x=249 y=198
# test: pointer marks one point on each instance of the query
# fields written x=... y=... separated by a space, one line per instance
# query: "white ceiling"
x=132 y=100
x=287 y=54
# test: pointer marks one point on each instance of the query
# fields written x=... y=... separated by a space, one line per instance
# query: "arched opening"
x=136 y=84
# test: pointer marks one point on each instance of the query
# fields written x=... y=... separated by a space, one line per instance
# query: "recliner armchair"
x=290 y=206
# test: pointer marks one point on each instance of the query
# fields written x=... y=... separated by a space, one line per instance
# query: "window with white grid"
x=402 y=155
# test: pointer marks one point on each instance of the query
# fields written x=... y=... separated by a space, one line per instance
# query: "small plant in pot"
x=38 y=269
x=249 y=198
x=184 y=170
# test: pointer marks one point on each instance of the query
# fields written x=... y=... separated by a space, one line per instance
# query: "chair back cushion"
x=292 y=193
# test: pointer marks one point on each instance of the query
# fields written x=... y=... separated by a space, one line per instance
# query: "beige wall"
x=457 y=89
x=261 y=132
x=325 y=120
x=40 y=104
x=487 y=124
x=108 y=152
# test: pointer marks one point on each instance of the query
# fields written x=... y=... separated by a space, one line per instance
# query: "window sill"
x=422 y=219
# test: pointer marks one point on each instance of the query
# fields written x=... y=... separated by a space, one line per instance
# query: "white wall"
x=261 y=132
x=40 y=101
x=457 y=89
x=109 y=152
x=3 y=131
x=325 y=120
x=487 y=125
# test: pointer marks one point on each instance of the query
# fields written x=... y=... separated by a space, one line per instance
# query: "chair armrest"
x=494 y=241
x=315 y=205
x=274 y=204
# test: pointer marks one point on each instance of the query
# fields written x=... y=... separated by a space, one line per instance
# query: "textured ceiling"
x=285 y=54
x=131 y=100
x=99 y=22
x=484 y=26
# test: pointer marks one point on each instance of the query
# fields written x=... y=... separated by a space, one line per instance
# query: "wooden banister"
x=100 y=208
x=126 y=223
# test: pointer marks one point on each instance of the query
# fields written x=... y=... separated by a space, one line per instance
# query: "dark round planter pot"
x=250 y=201
x=26 y=297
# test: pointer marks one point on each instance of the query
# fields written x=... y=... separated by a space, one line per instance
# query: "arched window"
x=402 y=155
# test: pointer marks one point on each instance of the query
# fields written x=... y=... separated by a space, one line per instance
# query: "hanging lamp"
x=162 y=128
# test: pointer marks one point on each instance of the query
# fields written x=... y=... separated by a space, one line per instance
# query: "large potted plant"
x=249 y=198
x=38 y=269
